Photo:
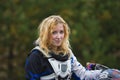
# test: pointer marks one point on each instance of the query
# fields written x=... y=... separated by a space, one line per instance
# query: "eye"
x=61 y=32
x=54 y=32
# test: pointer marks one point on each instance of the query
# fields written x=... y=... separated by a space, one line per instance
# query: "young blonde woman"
x=52 y=58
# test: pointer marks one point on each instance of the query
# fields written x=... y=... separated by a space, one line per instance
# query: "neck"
x=55 y=49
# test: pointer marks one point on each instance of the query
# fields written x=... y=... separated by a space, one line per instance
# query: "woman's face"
x=57 y=35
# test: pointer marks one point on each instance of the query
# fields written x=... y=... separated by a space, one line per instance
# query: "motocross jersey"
x=40 y=67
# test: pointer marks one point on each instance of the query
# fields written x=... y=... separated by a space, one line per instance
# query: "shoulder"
x=34 y=53
x=37 y=54
x=34 y=62
x=35 y=58
x=71 y=53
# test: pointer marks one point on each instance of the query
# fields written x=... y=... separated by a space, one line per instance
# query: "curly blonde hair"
x=45 y=30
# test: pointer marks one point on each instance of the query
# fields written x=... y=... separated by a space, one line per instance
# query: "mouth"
x=58 y=42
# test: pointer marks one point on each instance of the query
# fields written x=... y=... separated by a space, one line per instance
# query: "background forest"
x=95 y=31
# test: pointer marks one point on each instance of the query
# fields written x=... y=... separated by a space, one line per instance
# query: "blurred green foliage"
x=95 y=31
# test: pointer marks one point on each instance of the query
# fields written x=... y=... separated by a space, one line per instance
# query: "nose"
x=58 y=36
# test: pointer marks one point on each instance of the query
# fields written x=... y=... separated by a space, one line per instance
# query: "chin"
x=58 y=45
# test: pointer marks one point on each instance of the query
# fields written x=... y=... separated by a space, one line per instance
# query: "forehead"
x=59 y=26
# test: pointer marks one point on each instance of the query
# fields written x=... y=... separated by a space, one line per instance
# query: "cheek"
x=63 y=36
x=51 y=38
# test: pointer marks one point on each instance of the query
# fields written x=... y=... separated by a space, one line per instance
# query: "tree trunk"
x=10 y=62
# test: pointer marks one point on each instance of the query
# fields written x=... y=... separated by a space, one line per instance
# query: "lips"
x=58 y=42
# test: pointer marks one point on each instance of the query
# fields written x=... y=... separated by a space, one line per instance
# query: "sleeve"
x=81 y=72
x=33 y=66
